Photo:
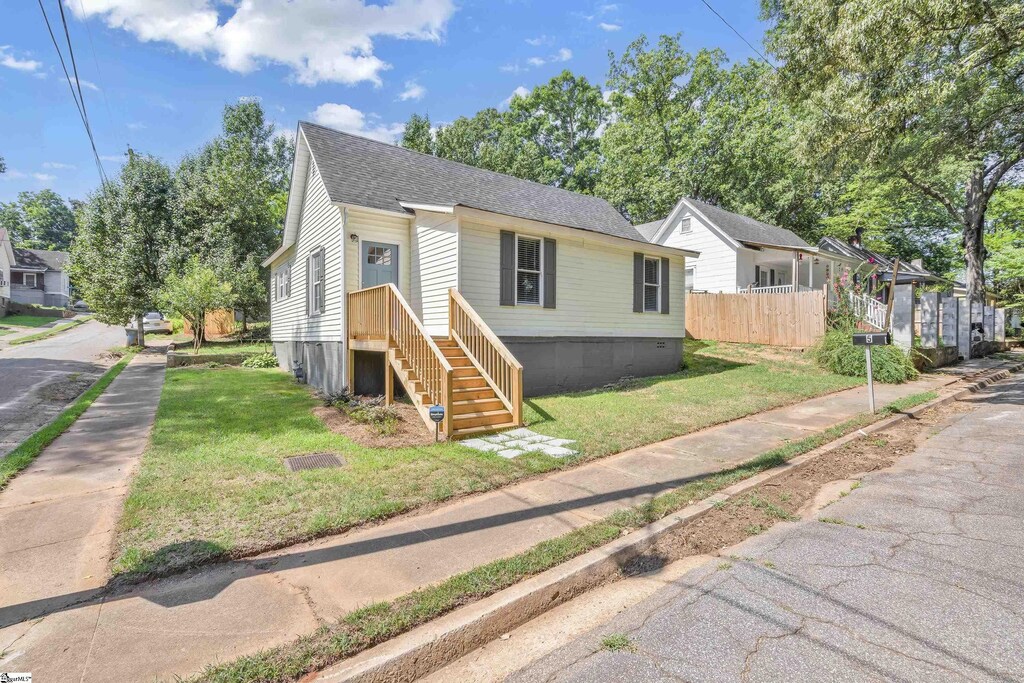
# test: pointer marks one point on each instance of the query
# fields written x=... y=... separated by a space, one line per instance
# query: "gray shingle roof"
x=40 y=259
x=884 y=263
x=649 y=230
x=744 y=229
x=375 y=174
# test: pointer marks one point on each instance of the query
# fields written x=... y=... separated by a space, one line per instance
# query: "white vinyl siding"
x=434 y=268
x=381 y=228
x=594 y=289
x=320 y=225
x=715 y=269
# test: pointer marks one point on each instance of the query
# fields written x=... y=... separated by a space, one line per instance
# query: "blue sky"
x=157 y=73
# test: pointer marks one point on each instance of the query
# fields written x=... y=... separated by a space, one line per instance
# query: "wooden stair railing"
x=488 y=354
x=381 y=314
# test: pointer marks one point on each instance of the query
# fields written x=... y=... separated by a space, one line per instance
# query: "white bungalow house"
x=737 y=253
x=40 y=277
x=471 y=288
x=6 y=261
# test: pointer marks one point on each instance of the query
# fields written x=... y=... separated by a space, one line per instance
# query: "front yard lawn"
x=211 y=347
x=28 y=320
x=212 y=483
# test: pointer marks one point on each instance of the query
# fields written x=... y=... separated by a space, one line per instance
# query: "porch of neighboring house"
x=771 y=271
x=468 y=371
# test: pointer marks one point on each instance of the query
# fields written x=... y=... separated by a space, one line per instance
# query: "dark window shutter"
x=664 y=285
x=508 y=269
x=549 y=273
x=309 y=285
x=638 y=282
x=757 y=276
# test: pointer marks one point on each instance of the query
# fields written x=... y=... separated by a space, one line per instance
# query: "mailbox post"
x=867 y=340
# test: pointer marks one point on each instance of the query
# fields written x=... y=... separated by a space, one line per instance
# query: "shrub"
x=835 y=352
x=267 y=359
x=365 y=410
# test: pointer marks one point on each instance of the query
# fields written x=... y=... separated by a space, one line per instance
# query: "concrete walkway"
x=922 y=583
x=71 y=630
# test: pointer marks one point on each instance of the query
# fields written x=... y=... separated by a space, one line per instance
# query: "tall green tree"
x=417 y=134
x=1005 y=243
x=230 y=198
x=120 y=256
x=927 y=91
x=39 y=220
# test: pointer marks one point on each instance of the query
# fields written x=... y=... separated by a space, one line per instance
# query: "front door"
x=380 y=264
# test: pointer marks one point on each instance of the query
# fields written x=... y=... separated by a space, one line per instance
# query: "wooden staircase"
x=469 y=372
x=476 y=408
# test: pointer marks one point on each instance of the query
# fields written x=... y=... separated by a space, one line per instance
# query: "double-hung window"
x=283 y=282
x=689 y=279
x=652 y=285
x=316 y=282
x=30 y=280
x=529 y=265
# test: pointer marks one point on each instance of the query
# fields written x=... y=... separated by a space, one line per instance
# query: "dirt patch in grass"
x=65 y=390
x=407 y=430
x=782 y=498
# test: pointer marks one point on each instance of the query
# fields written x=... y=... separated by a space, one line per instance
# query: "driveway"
x=914 y=576
x=38 y=379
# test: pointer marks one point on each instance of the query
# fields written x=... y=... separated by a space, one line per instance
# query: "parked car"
x=154 y=322
x=80 y=306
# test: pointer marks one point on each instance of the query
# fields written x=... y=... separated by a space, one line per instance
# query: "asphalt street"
x=913 y=576
x=30 y=366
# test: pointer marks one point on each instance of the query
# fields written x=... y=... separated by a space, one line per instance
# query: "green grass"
x=23 y=455
x=208 y=348
x=376 y=623
x=46 y=334
x=720 y=382
x=617 y=642
x=28 y=320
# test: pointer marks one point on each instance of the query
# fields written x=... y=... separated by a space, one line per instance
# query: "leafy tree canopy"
x=39 y=220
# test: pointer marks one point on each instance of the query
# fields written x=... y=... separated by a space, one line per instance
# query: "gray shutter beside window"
x=638 y=282
x=664 y=285
x=507 y=275
x=549 y=273
x=309 y=284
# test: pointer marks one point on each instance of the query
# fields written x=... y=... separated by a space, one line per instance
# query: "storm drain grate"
x=313 y=461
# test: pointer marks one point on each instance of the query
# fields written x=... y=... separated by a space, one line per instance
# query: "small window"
x=378 y=256
x=652 y=284
x=685 y=225
x=528 y=270
x=283 y=283
x=689 y=279
x=316 y=283
x=29 y=279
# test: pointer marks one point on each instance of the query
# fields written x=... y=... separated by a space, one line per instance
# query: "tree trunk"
x=974 y=236
x=140 y=330
x=245 y=320
x=198 y=334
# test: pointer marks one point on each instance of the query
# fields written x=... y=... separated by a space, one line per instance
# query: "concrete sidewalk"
x=921 y=583
x=177 y=625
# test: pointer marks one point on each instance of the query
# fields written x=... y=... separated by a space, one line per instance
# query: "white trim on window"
x=688 y=281
x=539 y=272
x=283 y=282
x=317 y=281
x=652 y=285
x=24 y=280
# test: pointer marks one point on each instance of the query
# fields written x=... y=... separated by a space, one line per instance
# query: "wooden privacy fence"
x=789 y=319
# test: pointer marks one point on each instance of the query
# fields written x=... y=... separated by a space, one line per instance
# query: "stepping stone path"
x=518 y=441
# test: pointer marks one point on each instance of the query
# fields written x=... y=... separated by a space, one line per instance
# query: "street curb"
x=433 y=645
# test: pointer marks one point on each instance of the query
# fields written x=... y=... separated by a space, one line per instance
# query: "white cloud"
x=609 y=27
x=413 y=91
x=605 y=9
x=521 y=91
x=88 y=85
x=540 y=40
x=350 y=120
x=112 y=157
x=136 y=125
x=535 y=61
x=511 y=68
x=319 y=40
x=564 y=55
x=13 y=174
x=44 y=177
x=8 y=59
x=58 y=165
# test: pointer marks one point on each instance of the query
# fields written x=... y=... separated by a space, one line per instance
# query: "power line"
x=79 y=103
x=740 y=35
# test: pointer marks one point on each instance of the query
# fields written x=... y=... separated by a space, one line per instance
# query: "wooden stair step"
x=469 y=382
x=477 y=405
x=452 y=352
x=465 y=372
x=470 y=393
x=460 y=362
x=477 y=419
x=467 y=432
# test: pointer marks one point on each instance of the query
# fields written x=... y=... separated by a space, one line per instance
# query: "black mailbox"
x=871 y=339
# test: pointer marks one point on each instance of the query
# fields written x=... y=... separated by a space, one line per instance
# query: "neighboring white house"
x=496 y=271
x=737 y=253
x=6 y=261
x=40 y=277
